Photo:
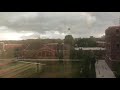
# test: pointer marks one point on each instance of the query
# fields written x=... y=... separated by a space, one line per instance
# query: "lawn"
x=51 y=69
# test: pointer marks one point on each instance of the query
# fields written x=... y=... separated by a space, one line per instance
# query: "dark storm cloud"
x=82 y=24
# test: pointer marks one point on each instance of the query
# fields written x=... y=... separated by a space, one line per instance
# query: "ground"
x=54 y=69
x=18 y=69
x=103 y=70
x=13 y=69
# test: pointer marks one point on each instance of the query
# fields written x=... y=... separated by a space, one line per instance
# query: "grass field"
x=16 y=69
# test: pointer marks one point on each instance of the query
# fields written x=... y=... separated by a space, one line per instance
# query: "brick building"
x=112 y=39
x=46 y=51
x=12 y=46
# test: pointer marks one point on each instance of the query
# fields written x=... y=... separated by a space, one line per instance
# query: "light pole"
x=37 y=66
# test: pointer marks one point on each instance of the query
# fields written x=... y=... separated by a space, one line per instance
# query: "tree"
x=88 y=65
x=16 y=53
x=117 y=70
x=86 y=42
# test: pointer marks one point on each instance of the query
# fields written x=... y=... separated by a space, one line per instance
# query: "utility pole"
x=37 y=66
x=69 y=31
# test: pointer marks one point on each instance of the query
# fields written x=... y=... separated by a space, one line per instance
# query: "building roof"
x=39 y=46
x=90 y=48
x=111 y=28
x=10 y=46
x=102 y=42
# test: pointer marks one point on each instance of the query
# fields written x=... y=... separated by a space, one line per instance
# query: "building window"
x=40 y=54
x=66 y=53
x=43 y=53
x=47 y=53
x=118 y=45
x=117 y=30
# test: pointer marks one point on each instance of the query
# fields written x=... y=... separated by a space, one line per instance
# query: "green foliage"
x=86 y=42
x=88 y=65
x=117 y=70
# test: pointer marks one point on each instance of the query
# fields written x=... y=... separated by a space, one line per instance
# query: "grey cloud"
x=82 y=24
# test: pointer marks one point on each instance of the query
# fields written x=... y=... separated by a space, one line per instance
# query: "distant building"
x=100 y=43
x=12 y=46
x=90 y=48
x=112 y=38
x=10 y=50
x=99 y=52
x=46 y=51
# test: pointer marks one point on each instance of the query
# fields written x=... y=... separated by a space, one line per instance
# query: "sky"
x=32 y=25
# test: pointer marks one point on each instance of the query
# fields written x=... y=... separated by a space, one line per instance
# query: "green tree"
x=117 y=70
x=86 y=42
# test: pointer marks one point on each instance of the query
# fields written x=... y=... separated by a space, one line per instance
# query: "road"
x=103 y=70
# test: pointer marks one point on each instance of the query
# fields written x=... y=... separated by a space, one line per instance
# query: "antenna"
x=69 y=31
